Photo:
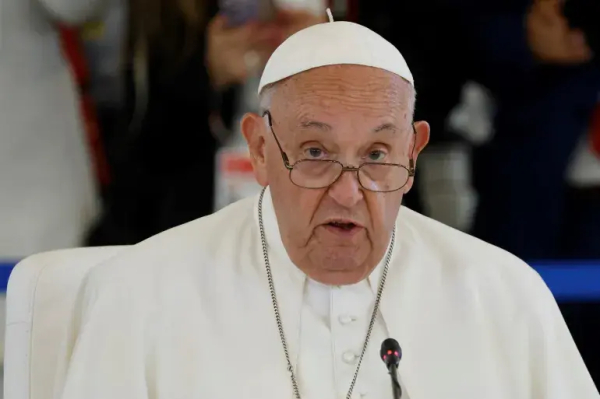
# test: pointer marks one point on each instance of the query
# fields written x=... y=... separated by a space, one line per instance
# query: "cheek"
x=297 y=212
x=279 y=178
x=408 y=186
x=299 y=204
x=393 y=203
x=305 y=205
x=383 y=209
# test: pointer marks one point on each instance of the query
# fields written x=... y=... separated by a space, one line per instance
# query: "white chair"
x=41 y=296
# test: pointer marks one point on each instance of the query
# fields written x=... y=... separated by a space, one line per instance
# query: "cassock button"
x=346 y=319
x=349 y=357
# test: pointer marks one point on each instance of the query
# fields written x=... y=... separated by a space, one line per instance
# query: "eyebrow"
x=315 y=124
x=386 y=126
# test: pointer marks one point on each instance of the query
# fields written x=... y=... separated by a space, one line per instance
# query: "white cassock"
x=188 y=315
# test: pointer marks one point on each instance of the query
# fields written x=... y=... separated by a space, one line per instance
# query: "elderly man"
x=289 y=294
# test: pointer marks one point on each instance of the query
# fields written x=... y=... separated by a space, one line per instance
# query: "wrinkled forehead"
x=350 y=91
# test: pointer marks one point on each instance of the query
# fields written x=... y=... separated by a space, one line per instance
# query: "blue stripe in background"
x=568 y=281
x=572 y=281
x=5 y=269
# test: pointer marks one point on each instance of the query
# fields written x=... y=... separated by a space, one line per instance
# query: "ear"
x=421 y=138
x=418 y=142
x=254 y=128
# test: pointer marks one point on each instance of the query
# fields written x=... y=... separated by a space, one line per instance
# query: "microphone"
x=391 y=354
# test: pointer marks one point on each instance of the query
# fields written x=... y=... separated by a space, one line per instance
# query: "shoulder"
x=173 y=254
x=489 y=273
x=442 y=241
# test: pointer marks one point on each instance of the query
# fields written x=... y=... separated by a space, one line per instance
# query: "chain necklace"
x=290 y=368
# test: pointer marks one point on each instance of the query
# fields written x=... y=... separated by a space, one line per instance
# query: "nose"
x=346 y=191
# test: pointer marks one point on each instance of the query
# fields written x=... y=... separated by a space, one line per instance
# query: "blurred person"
x=48 y=196
x=298 y=286
x=183 y=62
x=540 y=72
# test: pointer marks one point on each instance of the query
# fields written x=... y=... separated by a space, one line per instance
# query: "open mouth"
x=342 y=226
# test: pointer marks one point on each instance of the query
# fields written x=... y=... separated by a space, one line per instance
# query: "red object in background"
x=237 y=163
x=596 y=131
x=74 y=54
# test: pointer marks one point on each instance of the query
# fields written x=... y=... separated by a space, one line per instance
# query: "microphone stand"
x=393 y=371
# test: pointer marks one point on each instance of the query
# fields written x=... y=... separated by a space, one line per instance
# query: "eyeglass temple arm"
x=284 y=156
x=411 y=161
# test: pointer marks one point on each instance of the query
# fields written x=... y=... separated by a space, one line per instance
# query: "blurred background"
x=119 y=119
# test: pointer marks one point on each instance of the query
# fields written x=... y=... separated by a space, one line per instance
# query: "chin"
x=342 y=277
x=342 y=257
x=339 y=266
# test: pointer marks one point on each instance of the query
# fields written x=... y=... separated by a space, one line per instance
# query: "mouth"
x=342 y=226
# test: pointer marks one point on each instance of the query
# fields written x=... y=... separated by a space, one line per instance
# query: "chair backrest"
x=41 y=296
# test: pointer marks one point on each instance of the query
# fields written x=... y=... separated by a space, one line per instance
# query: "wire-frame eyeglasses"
x=322 y=173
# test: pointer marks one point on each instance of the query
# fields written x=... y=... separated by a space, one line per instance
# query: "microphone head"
x=390 y=352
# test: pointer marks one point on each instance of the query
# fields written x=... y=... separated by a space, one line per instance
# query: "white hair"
x=413 y=101
x=265 y=97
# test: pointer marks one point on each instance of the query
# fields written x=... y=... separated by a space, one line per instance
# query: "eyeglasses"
x=322 y=173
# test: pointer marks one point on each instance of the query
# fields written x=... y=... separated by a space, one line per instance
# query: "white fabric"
x=333 y=325
x=333 y=43
x=41 y=297
x=47 y=193
x=187 y=314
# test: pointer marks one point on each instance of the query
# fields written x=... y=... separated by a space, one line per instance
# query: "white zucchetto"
x=333 y=43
